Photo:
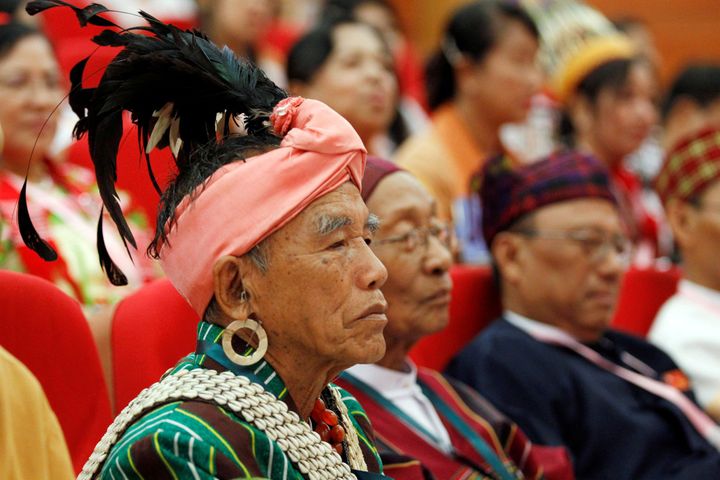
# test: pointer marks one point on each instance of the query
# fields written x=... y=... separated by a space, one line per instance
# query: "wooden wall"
x=684 y=30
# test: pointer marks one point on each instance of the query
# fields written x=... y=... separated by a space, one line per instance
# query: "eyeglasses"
x=596 y=245
x=420 y=236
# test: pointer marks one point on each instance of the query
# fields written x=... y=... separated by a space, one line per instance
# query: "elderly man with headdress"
x=688 y=324
x=427 y=425
x=265 y=233
x=551 y=363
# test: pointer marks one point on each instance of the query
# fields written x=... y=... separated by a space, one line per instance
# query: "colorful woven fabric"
x=201 y=440
x=64 y=207
x=690 y=166
x=508 y=193
x=375 y=170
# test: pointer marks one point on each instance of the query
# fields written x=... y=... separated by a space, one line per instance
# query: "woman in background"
x=348 y=65
x=608 y=110
x=60 y=196
x=483 y=76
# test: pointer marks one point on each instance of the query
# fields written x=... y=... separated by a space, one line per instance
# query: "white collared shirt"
x=402 y=389
x=688 y=328
x=528 y=325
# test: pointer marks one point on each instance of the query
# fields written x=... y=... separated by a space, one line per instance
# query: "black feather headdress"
x=182 y=92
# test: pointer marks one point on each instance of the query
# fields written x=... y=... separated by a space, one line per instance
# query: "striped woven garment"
x=199 y=440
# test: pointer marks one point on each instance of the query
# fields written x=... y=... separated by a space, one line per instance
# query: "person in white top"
x=688 y=325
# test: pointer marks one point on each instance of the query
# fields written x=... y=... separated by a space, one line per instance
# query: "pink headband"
x=245 y=202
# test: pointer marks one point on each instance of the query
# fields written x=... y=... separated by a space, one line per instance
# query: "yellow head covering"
x=575 y=40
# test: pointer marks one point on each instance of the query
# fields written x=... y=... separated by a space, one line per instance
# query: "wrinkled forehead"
x=400 y=196
x=339 y=209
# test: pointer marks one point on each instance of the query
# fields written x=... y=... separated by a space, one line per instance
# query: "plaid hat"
x=375 y=170
x=508 y=193
x=690 y=166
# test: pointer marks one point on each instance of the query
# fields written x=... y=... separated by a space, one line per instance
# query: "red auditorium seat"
x=151 y=330
x=47 y=331
x=475 y=303
x=642 y=294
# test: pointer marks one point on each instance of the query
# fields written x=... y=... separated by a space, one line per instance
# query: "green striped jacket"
x=198 y=440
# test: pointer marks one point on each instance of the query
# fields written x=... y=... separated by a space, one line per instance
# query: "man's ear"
x=506 y=252
x=231 y=292
x=682 y=217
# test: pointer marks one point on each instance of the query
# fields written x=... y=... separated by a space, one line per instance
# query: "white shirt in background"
x=688 y=328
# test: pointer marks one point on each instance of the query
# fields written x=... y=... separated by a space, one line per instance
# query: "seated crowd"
x=310 y=270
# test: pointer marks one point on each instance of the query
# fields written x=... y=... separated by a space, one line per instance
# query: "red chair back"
x=642 y=294
x=475 y=303
x=47 y=331
x=151 y=330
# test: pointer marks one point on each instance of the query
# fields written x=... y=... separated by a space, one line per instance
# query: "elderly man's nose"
x=438 y=258
x=373 y=273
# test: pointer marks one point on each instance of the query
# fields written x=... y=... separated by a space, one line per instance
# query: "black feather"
x=38 y=6
x=85 y=15
x=160 y=65
x=28 y=232
x=113 y=272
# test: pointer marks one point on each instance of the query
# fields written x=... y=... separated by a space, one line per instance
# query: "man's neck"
x=304 y=378
x=700 y=276
x=396 y=352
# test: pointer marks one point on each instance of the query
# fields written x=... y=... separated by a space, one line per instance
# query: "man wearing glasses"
x=688 y=325
x=551 y=363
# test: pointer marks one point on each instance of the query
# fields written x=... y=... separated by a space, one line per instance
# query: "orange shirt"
x=444 y=158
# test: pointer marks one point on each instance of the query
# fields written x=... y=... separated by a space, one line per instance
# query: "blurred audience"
x=483 y=75
x=347 y=65
x=242 y=25
x=32 y=445
x=692 y=102
x=607 y=92
x=59 y=194
x=382 y=15
x=620 y=406
x=426 y=425
x=688 y=325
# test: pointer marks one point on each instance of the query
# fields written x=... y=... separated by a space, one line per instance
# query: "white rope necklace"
x=314 y=458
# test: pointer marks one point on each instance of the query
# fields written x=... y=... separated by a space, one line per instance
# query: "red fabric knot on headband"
x=284 y=114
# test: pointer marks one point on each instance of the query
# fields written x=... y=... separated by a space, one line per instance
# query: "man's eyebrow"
x=373 y=223
x=328 y=224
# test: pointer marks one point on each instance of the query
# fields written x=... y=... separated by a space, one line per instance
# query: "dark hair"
x=9 y=6
x=626 y=24
x=312 y=50
x=11 y=33
x=612 y=75
x=346 y=8
x=698 y=82
x=473 y=30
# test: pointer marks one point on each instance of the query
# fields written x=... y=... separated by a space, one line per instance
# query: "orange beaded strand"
x=327 y=425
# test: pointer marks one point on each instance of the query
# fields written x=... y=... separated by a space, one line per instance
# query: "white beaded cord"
x=354 y=453
x=314 y=458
